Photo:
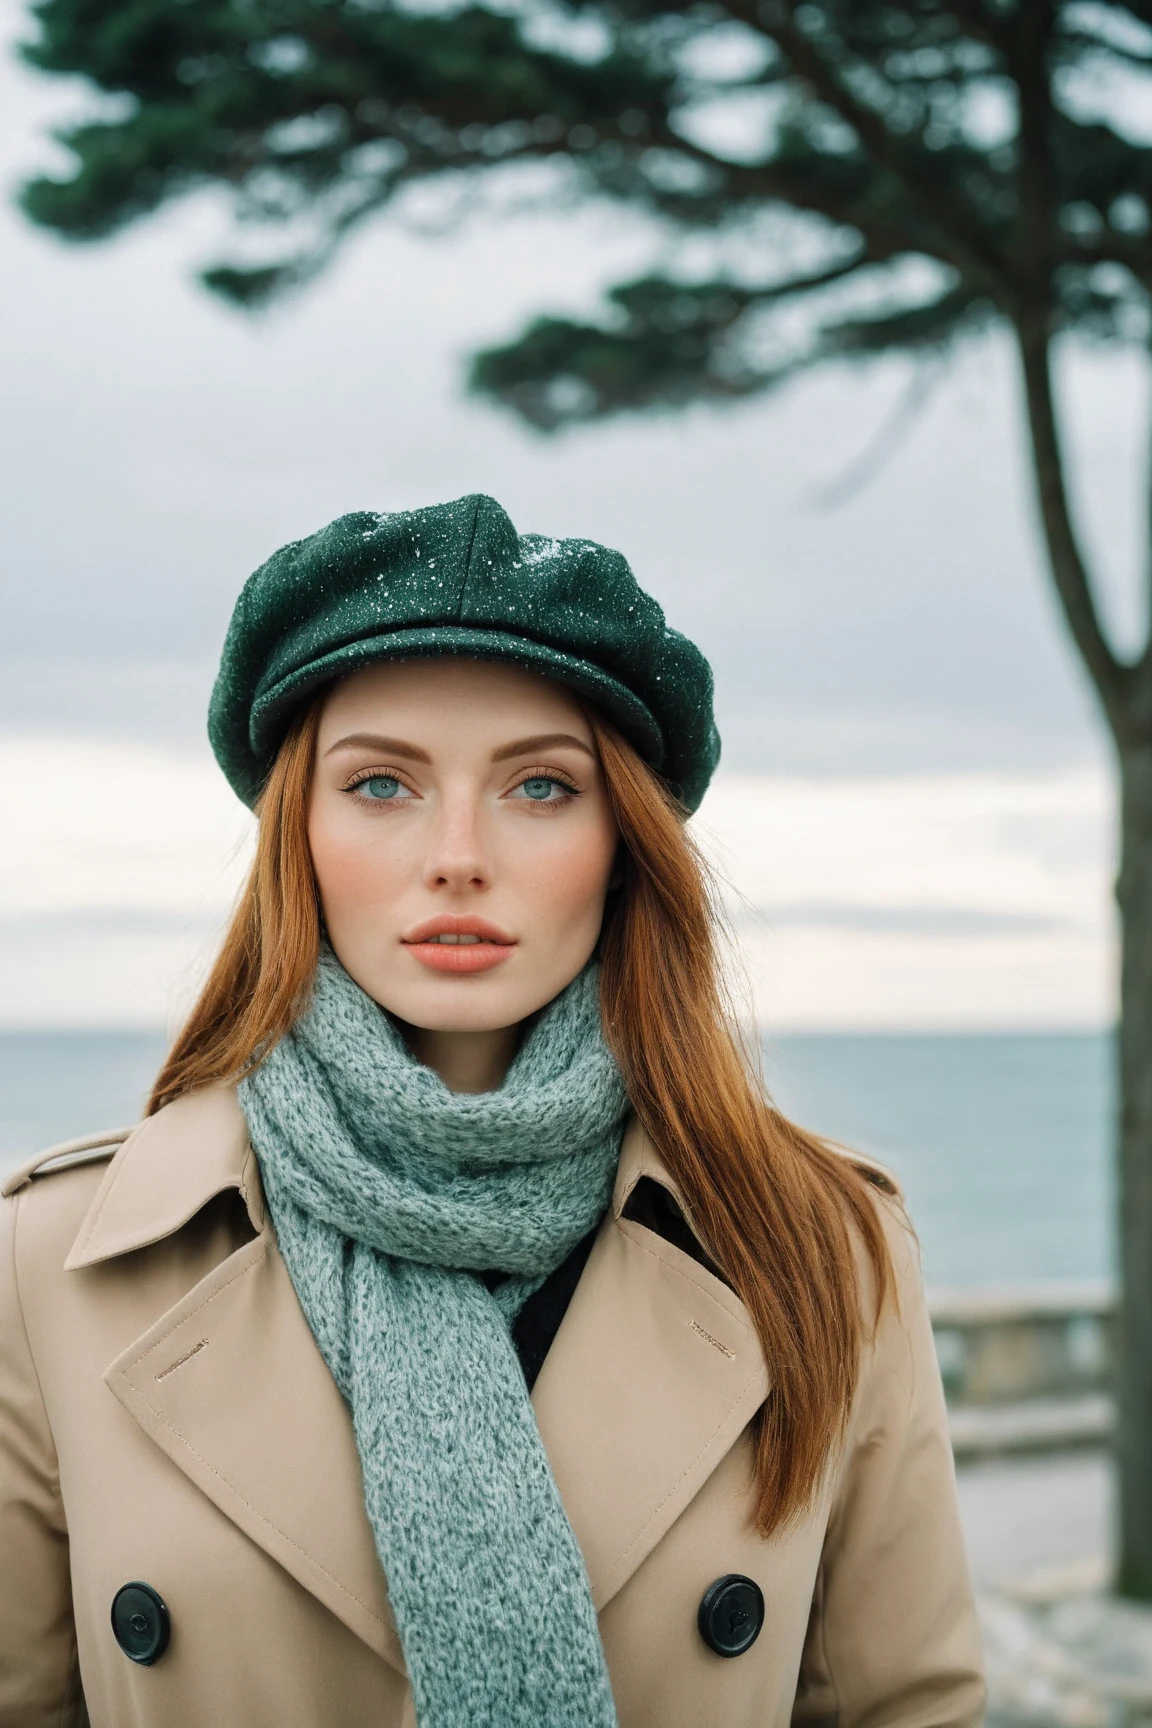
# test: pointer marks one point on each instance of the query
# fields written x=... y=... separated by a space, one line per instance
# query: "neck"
x=465 y=1061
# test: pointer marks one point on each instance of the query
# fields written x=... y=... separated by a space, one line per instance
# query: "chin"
x=454 y=1005
x=478 y=1004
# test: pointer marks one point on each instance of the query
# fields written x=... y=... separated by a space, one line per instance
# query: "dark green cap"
x=457 y=579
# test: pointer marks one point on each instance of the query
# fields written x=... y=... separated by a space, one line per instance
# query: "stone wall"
x=1027 y=1367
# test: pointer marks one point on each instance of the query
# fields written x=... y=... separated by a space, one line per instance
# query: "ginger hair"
x=789 y=1221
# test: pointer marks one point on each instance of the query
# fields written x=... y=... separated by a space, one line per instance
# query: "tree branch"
x=818 y=279
x=1100 y=45
x=1146 y=658
x=1069 y=571
x=967 y=250
x=768 y=180
x=880 y=449
x=975 y=18
x=1133 y=255
x=1029 y=56
x=1125 y=690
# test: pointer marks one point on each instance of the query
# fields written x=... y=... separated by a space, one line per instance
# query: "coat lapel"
x=653 y=1375
x=229 y=1382
x=231 y=1386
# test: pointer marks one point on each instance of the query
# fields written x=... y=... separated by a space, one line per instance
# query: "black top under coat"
x=538 y=1322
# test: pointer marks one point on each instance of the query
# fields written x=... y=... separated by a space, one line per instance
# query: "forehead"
x=444 y=694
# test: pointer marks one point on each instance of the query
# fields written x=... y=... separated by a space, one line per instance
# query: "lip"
x=459 y=924
x=492 y=949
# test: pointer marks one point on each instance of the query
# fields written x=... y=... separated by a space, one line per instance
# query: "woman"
x=462 y=1339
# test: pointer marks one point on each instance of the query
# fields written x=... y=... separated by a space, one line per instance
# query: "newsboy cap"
x=457 y=579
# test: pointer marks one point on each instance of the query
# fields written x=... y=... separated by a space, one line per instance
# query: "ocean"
x=1002 y=1142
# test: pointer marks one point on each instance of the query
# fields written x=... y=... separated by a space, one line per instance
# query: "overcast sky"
x=155 y=446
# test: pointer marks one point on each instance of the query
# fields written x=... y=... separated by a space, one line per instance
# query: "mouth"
x=459 y=945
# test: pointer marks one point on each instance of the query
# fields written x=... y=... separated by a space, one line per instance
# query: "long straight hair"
x=784 y=1216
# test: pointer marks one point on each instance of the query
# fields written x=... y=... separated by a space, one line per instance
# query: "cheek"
x=566 y=881
x=353 y=870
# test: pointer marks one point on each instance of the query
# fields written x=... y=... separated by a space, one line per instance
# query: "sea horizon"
x=1001 y=1140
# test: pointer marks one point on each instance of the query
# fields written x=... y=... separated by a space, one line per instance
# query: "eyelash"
x=366 y=774
x=555 y=775
x=558 y=778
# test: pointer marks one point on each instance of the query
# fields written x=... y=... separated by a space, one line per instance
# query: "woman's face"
x=462 y=839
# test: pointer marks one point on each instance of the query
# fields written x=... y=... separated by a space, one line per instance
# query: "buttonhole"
x=180 y=1360
x=715 y=1342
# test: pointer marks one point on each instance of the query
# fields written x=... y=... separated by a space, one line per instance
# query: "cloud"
x=926 y=902
x=1030 y=844
x=892 y=920
x=920 y=902
x=97 y=827
x=120 y=864
x=155 y=447
x=880 y=668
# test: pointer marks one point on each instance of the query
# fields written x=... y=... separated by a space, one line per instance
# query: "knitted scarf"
x=388 y=1192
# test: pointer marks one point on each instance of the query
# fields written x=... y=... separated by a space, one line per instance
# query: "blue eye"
x=539 y=788
x=379 y=786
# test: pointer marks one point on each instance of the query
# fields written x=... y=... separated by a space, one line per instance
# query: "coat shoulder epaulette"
x=88 y=1149
x=870 y=1168
x=878 y=1176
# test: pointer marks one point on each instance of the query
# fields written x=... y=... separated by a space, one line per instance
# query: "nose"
x=458 y=856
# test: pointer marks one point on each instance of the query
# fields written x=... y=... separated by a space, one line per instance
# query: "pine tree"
x=866 y=178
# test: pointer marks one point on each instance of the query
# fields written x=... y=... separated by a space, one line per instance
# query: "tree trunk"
x=1125 y=692
x=1134 y=1200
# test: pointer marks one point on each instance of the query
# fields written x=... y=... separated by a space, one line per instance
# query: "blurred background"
x=916 y=811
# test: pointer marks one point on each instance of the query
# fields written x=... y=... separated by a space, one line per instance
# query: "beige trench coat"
x=165 y=1416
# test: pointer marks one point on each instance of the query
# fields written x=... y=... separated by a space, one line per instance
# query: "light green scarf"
x=388 y=1192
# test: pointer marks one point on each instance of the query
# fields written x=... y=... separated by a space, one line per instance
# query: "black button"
x=140 y=1622
x=731 y=1614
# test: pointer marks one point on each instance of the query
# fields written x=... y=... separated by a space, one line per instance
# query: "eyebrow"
x=376 y=741
x=398 y=746
x=542 y=741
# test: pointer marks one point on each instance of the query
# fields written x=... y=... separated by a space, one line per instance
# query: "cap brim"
x=275 y=702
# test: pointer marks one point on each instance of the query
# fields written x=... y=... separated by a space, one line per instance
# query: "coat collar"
x=166 y=1172
x=653 y=1375
x=169 y=1167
